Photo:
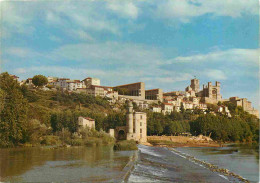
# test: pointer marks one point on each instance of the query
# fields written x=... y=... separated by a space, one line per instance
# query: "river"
x=75 y=164
x=103 y=164
x=161 y=164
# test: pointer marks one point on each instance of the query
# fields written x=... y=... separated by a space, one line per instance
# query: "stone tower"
x=218 y=95
x=130 y=118
x=195 y=85
x=209 y=93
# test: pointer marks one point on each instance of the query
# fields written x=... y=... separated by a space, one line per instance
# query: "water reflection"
x=67 y=164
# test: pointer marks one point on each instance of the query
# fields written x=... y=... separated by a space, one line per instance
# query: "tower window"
x=140 y=123
x=141 y=130
x=141 y=117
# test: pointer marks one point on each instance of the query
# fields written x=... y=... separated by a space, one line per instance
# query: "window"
x=141 y=117
x=140 y=123
x=141 y=130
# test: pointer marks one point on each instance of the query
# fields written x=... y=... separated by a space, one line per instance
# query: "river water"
x=158 y=164
x=103 y=164
x=240 y=159
x=75 y=164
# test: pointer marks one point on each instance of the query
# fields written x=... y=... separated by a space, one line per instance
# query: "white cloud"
x=81 y=14
x=238 y=56
x=175 y=77
x=109 y=53
x=126 y=9
x=184 y=10
x=80 y=35
x=55 y=38
x=20 y=52
x=91 y=16
x=215 y=74
x=20 y=71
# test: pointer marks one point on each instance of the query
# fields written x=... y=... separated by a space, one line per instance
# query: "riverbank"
x=182 y=141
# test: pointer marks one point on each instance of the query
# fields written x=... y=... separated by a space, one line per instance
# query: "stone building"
x=245 y=104
x=194 y=86
x=91 y=81
x=209 y=94
x=84 y=122
x=95 y=90
x=156 y=109
x=167 y=108
x=154 y=94
x=136 y=126
x=133 y=89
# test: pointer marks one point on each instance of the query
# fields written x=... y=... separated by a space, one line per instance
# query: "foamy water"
x=157 y=164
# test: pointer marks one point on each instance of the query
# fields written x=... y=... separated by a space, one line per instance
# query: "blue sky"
x=162 y=43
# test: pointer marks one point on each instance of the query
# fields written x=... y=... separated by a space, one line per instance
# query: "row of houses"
x=154 y=99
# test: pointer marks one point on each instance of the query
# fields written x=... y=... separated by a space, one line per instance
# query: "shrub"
x=76 y=142
x=90 y=141
x=125 y=145
x=51 y=140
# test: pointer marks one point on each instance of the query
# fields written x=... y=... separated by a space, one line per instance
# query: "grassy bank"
x=126 y=145
x=181 y=141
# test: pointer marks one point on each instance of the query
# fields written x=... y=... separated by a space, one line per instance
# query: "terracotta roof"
x=167 y=104
x=14 y=76
x=86 y=78
x=90 y=119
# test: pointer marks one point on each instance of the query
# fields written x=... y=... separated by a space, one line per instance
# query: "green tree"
x=13 y=116
x=39 y=80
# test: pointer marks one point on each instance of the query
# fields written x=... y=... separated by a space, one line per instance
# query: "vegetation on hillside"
x=34 y=116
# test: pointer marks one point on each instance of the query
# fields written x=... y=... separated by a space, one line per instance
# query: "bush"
x=125 y=145
x=76 y=142
x=90 y=141
x=51 y=140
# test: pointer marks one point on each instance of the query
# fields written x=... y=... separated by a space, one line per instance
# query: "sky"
x=162 y=43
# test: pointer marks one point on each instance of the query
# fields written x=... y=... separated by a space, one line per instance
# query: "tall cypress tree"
x=13 y=114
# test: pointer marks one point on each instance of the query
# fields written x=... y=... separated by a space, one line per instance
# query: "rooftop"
x=128 y=84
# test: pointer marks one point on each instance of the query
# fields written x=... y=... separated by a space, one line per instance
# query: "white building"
x=167 y=108
x=156 y=109
x=187 y=105
x=84 y=122
x=112 y=95
x=67 y=84
x=91 y=81
x=52 y=79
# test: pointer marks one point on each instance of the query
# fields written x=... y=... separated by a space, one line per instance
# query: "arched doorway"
x=121 y=135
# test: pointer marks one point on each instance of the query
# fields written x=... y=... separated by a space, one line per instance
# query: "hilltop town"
x=192 y=98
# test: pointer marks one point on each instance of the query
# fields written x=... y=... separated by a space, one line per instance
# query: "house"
x=91 y=81
x=112 y=95
x=156 y=109
x=167 y=108
x=84 y=122
x=224 y=110
x=14 y=77
x=187 y=105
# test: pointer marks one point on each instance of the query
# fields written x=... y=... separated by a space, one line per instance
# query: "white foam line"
x=223 y=176
x=185 y=157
